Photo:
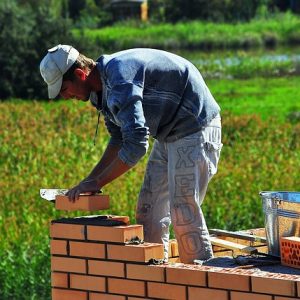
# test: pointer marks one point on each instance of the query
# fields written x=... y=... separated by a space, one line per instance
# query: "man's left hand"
x=87 y=186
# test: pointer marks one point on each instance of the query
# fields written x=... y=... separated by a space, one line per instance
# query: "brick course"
x=138 y=253
x=115 y=234
x=166 y=291
x=126 y=287
x=93 y=250
x=90 y=283
x=106 y=268
x=145 y=272
x=60 y=279
x=273 y=286
x=229 y=281
x=185 y=275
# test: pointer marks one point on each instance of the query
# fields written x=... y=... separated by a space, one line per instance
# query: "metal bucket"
x=282 y=217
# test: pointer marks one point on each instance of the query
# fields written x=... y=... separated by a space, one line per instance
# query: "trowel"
x=50 y=194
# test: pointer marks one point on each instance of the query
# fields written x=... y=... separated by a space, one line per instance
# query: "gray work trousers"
x=175 y=184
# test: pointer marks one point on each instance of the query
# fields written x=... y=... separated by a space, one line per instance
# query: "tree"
x=26 y=32
x=212 y=10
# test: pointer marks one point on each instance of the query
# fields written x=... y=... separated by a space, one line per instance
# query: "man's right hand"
x=87 y=186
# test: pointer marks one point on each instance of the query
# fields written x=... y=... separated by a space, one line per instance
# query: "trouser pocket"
x=213 y=149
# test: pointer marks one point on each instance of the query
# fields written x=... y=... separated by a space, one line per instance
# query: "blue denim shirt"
x=152 y=92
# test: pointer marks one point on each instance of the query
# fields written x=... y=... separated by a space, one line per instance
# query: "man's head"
x=55 y=64
x=65 y=71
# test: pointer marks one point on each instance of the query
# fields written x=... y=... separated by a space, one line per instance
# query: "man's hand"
x=87 y=186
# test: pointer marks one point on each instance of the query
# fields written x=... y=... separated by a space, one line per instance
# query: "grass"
x=276 y=30
x=276 y=97
x=245 y=66
x=49 y=144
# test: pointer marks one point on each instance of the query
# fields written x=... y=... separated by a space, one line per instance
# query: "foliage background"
x=49 y=143
x=28 y=28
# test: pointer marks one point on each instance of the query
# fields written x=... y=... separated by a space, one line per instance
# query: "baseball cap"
x=55 y=64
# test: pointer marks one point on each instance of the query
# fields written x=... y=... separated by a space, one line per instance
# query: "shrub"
x=26 y=32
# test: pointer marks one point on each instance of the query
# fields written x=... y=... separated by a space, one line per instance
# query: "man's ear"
x=80 y=74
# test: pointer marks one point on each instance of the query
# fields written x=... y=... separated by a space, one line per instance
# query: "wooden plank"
x=238 y=235
x=233 y=246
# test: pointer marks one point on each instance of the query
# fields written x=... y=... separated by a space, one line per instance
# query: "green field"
x=275 y=97
x=281 y=29
x=50 y=144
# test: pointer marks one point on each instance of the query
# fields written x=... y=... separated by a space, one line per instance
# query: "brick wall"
x=103 y=258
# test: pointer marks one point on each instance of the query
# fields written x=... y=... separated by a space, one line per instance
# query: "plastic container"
x=282 y=217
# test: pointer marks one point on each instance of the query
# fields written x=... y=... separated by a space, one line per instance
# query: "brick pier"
x=102 y=258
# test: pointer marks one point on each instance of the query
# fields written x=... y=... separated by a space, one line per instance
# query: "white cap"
x=55 y=64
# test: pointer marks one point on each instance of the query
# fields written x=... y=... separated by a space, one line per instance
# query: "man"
x=144 y=92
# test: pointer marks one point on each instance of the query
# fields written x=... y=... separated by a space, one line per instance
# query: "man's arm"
x=110 y=153
x=108 y=168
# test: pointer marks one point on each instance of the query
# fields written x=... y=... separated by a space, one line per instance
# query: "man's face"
x=75 y=89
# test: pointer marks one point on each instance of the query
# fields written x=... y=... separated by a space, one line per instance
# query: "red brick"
x=106 y=268
x=138 y=253
x=93 y=250
x=206 y=293
x=58 y=247
x=117 y=234
x=59 y=280
x=142 y=272
x=229 y=281
x=67 y=264
x=96 y=296
x=248 y=296
x=58 y=294
x=273 y=286
x=284 y=298
x=290 y=251
x=126 y=287
x=166 y=291
x=67 y=231
x=86 y=203
x=188 y=276
x=135 y=298
x=90 y=283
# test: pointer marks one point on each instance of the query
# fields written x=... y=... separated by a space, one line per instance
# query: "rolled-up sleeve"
x=125 y=103
x=114 y=131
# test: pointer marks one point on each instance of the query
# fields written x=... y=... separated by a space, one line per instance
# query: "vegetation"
x=281 y=29
x=96 y=13
x=245 y=64
x=212 y=10
x=265 y=97
x=26 y=32
x=29 y=28
x=50 y=144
